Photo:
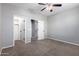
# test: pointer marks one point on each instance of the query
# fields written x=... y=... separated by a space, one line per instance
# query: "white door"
x=40 y=30
x=16 y=32
x=22 y=30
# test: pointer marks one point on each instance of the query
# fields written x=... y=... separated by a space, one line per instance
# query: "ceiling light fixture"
x=49 y=6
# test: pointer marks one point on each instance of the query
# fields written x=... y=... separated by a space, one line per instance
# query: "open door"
x=22 y=30
x=16 y=33
x=16 y=29
x=40 y=30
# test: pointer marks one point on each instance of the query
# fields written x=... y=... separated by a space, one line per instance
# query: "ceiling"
x=36 y=8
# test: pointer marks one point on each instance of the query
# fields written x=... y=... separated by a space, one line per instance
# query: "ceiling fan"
x=49 y=6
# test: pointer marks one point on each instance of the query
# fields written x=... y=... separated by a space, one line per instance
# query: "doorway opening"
x=34 y=36
x=19 y=29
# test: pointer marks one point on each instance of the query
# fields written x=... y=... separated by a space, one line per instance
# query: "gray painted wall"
x=0 y=25
x=64 y=25
x=8 y=11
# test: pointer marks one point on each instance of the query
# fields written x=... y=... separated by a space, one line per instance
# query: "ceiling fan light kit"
x=49 y=6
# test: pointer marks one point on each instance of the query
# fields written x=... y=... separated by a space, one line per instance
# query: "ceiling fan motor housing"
x=51 y=10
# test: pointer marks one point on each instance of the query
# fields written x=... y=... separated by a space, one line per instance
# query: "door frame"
x=19 y=28
x=14 y=31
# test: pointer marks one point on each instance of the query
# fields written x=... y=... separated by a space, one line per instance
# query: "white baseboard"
x=64 y=41
x=28 y=41
x=7 y=46
x=40 y=39
x=0 y=51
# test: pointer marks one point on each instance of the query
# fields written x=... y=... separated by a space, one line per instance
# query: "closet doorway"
x=34 y=26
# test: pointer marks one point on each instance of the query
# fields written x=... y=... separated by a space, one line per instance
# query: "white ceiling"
x=36 y=8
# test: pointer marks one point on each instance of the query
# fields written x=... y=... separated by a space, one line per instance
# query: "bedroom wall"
x=8 y=12
x=64 y=26
x=0 y=28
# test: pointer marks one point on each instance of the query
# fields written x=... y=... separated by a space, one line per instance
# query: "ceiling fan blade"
x=41 y=4
x=43 y=9
x=57 y=5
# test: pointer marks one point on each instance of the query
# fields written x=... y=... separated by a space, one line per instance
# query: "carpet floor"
x=45 y=47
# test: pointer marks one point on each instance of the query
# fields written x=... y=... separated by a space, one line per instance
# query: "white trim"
x=41 y=39
x=64 y=41
x=28 y=41
x=0 y=51
x=7 y=46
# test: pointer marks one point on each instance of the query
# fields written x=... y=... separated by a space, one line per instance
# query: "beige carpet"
x=45 y=47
